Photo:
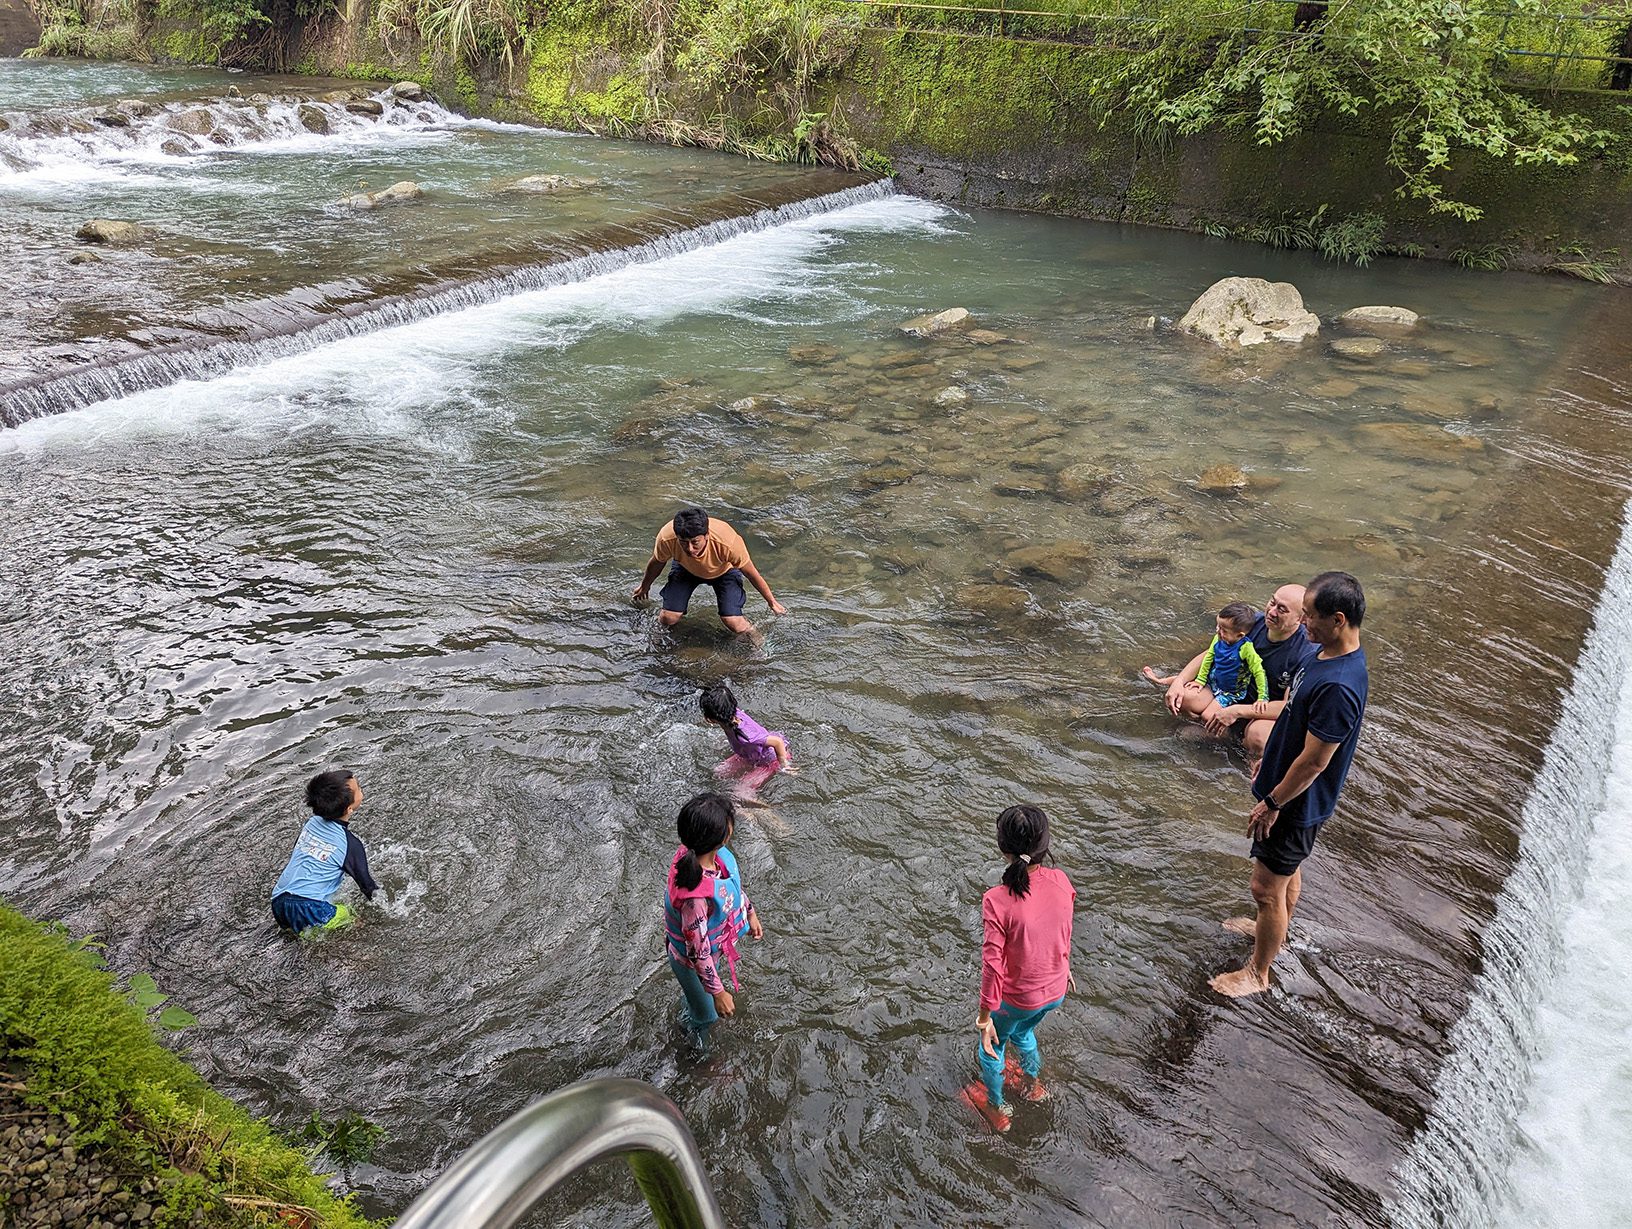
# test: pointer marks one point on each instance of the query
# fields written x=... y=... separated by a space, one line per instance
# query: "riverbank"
x=964 y=117
x=104 y=1126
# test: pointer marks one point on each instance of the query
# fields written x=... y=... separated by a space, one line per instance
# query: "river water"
x=409 y=551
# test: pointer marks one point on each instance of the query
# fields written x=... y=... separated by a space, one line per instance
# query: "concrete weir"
x=299 y=321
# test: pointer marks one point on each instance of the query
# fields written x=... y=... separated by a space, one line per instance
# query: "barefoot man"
x=705 y=552
x=1305 y=762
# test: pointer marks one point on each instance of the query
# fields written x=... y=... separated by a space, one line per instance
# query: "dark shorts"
x=728 y=589
x=1286 y=846
x=296 y=913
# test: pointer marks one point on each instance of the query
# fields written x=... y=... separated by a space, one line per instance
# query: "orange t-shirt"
x=725 y=550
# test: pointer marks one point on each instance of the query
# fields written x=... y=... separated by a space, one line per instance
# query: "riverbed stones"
x=175 y=147
x=1398 y=317
x=397 y=194
x=1249 y=311
x=366 y=106
x=1083 y=480
x=1358 y=347
x=933 y=325
x=1419 y=441
x=112 y=119
x=84 y=258
x=992 y=599
x=312 y=118
x=951 y=397
x=1060 y=562
x=812 y=355
x=986 y=337
x=111 y=232
x=408 y=91
x=1336 y=388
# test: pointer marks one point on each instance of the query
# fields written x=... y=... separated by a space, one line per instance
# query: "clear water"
x=411 y=553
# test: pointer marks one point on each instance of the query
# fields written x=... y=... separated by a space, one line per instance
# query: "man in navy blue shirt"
x=1305 y=761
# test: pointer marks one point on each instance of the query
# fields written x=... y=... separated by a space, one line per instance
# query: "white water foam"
x=1532 y=1117
x=63 y=147
x=413 y=381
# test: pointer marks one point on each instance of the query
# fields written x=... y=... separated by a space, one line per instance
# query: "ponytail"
x=704 y=825
x=719 y=705
x=1022 y=833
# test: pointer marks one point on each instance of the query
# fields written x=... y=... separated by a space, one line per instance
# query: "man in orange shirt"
x=704 y=551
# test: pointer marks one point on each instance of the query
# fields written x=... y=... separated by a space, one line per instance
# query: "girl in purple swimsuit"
x=756 y=753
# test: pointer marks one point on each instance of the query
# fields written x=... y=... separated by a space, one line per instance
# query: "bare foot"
x=1161 y=680
x=1241 y=926
x=1239 y=984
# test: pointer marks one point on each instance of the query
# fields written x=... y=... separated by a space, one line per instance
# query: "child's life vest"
x=727 y=911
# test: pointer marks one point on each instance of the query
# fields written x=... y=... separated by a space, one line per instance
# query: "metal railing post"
x=499 y=1178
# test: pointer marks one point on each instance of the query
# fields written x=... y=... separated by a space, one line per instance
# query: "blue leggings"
x=700 y=1010
x=1016 y=1024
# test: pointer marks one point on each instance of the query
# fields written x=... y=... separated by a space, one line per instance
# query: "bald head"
x=1284 y=611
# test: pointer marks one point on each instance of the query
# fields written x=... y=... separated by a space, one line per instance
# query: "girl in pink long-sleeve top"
x=1025 y=962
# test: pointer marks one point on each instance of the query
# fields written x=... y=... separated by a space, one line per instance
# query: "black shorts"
x=728 y=589
x=1286 y=846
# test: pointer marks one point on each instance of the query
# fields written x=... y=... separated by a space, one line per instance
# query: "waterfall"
x=1460 y=1170
x=294 y=324
x=35 y=142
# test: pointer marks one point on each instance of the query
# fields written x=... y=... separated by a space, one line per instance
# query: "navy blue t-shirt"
x=1328 y=700
x=1281 y=659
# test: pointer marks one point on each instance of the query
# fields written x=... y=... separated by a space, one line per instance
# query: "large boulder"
x=397 y=194
x=1400 y=317
x=1248 y=311
x=949 y=321
x=197 y=121
x=106 y=230
x=551 y=183
x=312 y=117
x=366 y=106
x=408 y=91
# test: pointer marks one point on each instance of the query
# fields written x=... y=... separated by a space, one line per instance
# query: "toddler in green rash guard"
x=1231 y=668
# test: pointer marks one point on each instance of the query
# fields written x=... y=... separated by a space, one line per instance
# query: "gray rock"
x=176 y=147
x=1358 y=347
x=113 y=119
x=197 y=122
x=1401 y=317
x=1248 y=311
x=397 y=194
x=948 y=321
x=408 y=91
x=337 y=96
x=1083 y=480
x=106 y=230
x=366 y=106
x=312 y=117
x=951 y=396
x=551 y=183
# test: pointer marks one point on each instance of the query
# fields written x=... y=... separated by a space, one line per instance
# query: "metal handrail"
x=498 y=1179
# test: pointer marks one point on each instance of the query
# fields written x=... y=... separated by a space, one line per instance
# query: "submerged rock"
x=1248 y=311
x=986 y=337
x=397 y=194
x=106 y=230
x=84 y=258
x=312 y=117
x=1060 y=562
x=551 y=183
x=1402 y=317
x=992 y=599
x=1083 y=480
x=1222 y=480
x=1410 y=439
x=950 y=320
x=1358 y=347
x=812 y=356
x=951 y=396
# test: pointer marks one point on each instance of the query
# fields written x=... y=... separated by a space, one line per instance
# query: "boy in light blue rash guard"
x=325 y=850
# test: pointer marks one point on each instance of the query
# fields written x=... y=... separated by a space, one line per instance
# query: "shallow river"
x=410 y=553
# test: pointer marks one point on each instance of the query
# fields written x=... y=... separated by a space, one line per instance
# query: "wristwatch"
x=1269 y=801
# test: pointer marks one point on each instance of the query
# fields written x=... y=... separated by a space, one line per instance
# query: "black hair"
x=705 y=823
x=1022 y=833
x=1339 y=593
x=1240 y=616
x=718 y=704
x=690 y=523
x=329 y=793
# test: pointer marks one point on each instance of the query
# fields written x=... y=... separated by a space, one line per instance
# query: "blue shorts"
x=728 y=589
x=298 y=913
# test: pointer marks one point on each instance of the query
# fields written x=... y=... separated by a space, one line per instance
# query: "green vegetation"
x=96 y=29
x=87 y=1051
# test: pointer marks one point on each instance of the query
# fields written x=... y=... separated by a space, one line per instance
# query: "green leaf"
x=174 y=1018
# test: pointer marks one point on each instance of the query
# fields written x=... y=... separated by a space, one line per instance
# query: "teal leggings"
x=1016 y=1024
